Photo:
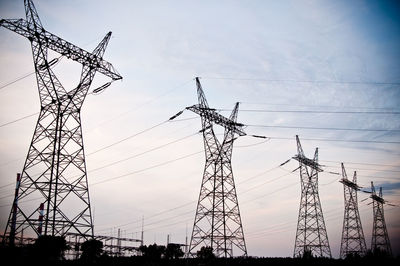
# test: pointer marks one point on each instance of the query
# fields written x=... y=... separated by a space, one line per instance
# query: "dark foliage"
x=92 y=249
x=205 y=253
x=50 y=247
x=26 y=256
x=152 y=252
x=173 y=251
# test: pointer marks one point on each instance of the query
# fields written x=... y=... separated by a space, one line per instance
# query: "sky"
x=336 y=63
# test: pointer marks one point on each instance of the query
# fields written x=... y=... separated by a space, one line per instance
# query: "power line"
x=308 y=81
x=147 y=168
x=266 y=182
x=375 y=164
x=326 y=128
x=322 y=106
x=340 y=140
x=136 y=107
x=313 y=111
x=154 y=215
x=19 y=119
x=369 y=169
x=139 y=154
x=129 y=137
x=16 y=80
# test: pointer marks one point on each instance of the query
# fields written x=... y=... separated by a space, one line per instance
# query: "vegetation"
x=50 y=251
x=92 y=250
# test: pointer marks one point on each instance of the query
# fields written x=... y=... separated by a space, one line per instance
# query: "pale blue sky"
x=160 y=46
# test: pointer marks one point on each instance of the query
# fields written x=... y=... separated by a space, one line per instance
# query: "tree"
x=152 y=251
x=50 y=247
x=173 y=251
x=205 y=253
x=92 y=249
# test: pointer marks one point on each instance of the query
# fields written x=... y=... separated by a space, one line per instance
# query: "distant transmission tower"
x=353 y=241
x=311 y=236
x=54 y=172
x=217 y=222
x=380 y=239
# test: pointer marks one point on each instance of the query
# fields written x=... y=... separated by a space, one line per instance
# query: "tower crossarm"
x=349 y=183
x=374 y=196
x=378 y=199
x=306 y=161
x=211 y=115
x=60 y=46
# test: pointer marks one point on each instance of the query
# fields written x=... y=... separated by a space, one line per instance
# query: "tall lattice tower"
x=311 y=236
x=217 y=222
x=380 y=239
x=353 y=241
x=54 y=174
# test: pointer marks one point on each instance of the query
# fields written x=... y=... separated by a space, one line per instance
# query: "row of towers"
x=55 y=168
x=311 y=236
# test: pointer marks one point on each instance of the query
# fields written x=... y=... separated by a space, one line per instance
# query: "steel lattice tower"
x=380 y=239
x=54 y=172
x=311 y=236
x=217 y=222
x=353 y=241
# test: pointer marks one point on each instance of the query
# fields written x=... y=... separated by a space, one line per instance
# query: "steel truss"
x=353 y=240
x=54 y=172
x=217 y=222
x=311 y=236
x=380 y=238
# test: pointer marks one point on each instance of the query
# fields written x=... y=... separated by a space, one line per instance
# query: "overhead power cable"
x=375 y=164
x=19 y=119
x=309 y=81
x=17 y=79
x=326 y=128
x=147 y=168
x=125 y=139
x=313 y=111
x=141 y=153
x=322 y=106
x=340 y=140
x=154 y=215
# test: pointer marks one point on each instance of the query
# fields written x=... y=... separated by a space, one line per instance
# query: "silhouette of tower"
x=353 y=241
x=380 y=239
x=54 y=172
x=217 y=222
x=311 y=236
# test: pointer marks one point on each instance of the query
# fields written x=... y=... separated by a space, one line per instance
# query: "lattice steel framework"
x=380 y=238
x=217 y=222
x=54 y=172
x=353 y=240
x=311 y=236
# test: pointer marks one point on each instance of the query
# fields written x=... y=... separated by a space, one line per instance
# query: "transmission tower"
x=353 y=241
x=380 y=239
x=217 y=222
x=311 y=236
x=54 y=173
